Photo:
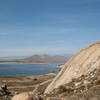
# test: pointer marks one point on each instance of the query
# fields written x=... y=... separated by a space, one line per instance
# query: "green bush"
x=35 y=79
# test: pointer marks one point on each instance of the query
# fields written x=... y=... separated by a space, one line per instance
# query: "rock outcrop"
x=84 y=62
x=86 y=87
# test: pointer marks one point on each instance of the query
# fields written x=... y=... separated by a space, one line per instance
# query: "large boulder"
x=23 y=96
x=83 y=63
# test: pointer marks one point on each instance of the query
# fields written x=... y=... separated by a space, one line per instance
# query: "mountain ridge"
x=37 y=59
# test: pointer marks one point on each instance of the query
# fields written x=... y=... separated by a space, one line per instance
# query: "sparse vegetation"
x=35 y=79
x=63 y=88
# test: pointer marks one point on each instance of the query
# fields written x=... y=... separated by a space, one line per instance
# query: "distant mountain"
x=38 y=59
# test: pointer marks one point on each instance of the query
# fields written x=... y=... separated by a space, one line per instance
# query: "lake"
x=27 y=69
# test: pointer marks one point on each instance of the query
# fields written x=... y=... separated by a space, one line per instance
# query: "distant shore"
x=20 y=63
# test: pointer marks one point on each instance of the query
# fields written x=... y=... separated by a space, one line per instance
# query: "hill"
x=87 y=60
x=37 y=59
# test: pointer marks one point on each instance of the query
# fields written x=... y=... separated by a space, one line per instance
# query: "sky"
x=54 y=27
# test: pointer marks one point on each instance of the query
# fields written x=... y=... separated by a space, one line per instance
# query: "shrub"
x=63 y=88
x=35 y=79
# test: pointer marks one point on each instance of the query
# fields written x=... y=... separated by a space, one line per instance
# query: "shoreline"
x=31 y=63
x=28 y=75
x=21 y=63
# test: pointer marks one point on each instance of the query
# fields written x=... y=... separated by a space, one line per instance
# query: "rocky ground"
x=86 y=87
x=17 y=85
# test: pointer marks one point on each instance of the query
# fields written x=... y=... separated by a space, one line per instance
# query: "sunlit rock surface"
x=82 y=63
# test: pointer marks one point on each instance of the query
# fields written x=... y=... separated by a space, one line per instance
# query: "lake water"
x=27 y=69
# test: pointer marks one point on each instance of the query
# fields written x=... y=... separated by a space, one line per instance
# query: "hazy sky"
x=47 y=26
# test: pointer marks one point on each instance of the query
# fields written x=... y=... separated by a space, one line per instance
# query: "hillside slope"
x=83 y=63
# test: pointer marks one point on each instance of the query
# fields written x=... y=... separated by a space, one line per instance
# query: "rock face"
x=83 y=63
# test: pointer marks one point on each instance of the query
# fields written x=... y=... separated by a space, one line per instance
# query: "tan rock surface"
x=23 y=96
x=81 y=64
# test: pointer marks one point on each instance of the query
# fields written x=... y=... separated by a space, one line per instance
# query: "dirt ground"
x=25 y=83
